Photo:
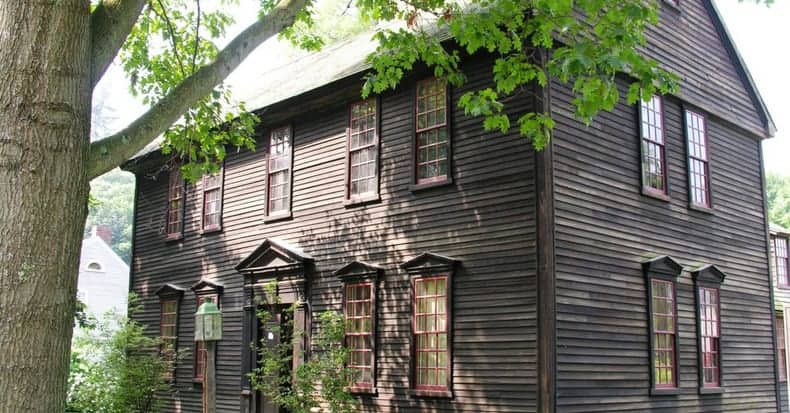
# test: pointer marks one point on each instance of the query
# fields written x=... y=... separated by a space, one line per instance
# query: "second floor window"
x=362 y=150
x=664 y=334
x=212 y=201
x=710 y=332
x=698 y=156
x=359 y=333
x=175 y=204
x=654 y=177
x=278 y=175
x=781 y=262
x=433 y=136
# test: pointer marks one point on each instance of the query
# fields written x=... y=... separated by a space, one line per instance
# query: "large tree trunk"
x=44 y=127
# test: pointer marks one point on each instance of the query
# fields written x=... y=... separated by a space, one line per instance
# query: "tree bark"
x=45 y=99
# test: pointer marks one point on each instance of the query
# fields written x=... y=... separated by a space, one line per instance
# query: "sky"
x=761 y=34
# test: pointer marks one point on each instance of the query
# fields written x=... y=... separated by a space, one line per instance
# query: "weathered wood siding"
x=688 y=42
x=605 y=227
x=486 y=219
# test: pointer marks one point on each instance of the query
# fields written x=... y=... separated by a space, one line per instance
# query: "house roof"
x=347 y=58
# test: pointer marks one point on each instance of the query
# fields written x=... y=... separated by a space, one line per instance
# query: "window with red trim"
x=709 y=324
x=212 y=201
x=362 y=150
x=664 y=336
x=432 y=132
x=781 y=262
x=175 y=203
x=167 y=330
x=200 y=348
x=781 y=356
x=280 y=160
x=432 y=354
x=359 y=333
x=654 y=177
x=698 y=169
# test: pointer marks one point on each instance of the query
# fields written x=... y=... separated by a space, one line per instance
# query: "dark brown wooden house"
x=624 y=268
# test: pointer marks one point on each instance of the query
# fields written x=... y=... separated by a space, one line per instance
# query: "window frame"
x=268 y=214
x=349 y=198
x=360 y=272
x=645 y=188
x=708 y=277
x=359 y=387
x=424 y=266
x=775 y=261
x=706 y=207
x=175 y=171
x=416 y=350
x=220 y=188
x=781 y=351
x=170 y=293
x=416 y=183
x=664 y=269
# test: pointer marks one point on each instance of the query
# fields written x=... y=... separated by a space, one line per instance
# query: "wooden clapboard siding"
x=605 y=227
x=486 y=219
x=688 y=42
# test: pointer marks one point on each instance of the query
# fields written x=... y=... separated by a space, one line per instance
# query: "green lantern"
x=208 y=322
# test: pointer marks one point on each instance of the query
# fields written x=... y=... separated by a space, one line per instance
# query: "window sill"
x=652 y=193
x=435 y=394
x=700 y=208
x=429 y=185
x=212 y=230
x=668 y=391
x=364 y=200
x=174 y=237
x=711 y=390
x=197 y=382
x=783 y=286
x=363 y=391
x=277 y=217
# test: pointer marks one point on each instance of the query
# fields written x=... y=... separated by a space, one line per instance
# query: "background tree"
x=777 y=191
x=52 y=54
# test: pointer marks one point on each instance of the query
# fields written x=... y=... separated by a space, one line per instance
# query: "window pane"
x=709 y=332
x=359 y=337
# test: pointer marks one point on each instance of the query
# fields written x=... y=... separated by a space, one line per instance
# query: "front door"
x=273 y=333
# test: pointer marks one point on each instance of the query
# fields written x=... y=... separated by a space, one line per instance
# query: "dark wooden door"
x=275 y=332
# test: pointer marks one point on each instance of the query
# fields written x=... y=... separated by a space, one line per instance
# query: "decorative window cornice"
x=359 y=270
x=169 y=291
x=430 y=263
x=662 y=266
x=708 y=274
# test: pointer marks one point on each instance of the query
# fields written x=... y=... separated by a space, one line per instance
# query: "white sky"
x=761 y=33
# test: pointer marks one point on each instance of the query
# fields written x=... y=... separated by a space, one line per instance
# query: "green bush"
x=116 y=368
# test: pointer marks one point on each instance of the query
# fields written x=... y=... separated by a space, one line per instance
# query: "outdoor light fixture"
x=208 y=322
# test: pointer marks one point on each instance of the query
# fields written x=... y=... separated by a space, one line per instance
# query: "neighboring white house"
x=104 y=277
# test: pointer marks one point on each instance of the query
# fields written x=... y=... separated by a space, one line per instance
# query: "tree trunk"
x=45 y=98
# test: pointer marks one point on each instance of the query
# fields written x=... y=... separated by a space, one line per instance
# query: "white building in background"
x=104 y=277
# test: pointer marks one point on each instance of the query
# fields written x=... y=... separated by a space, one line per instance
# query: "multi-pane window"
x=432 y=131
x=200 y=348
x=167 y=329
x=654 y=177
x=699 y=174
x=175 y=203
x=432 y=355
x=279 y=172
x=212 y=201
x=781 y=266
x=664 y=337
x=709 y=324
x=362 y=150
x=781 y=356
x=359 y=333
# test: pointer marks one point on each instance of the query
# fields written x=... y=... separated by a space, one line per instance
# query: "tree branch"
x=111 y=23
x=111 y=151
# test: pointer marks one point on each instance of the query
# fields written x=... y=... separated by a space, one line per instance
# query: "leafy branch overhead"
x=583 y=43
